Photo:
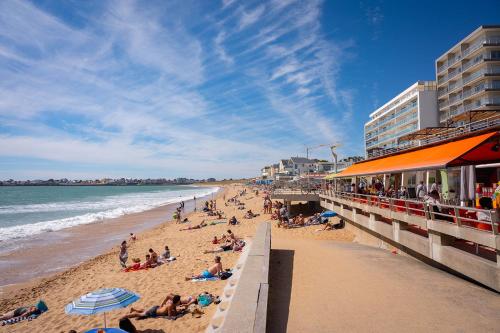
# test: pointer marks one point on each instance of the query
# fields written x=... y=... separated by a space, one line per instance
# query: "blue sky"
x=205 y=88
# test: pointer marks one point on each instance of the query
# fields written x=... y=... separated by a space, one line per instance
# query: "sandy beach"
x=153 y=284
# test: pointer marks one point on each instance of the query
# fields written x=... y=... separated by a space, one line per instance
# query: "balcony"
x=473 y=47
x=482 y=102
x=444 y=104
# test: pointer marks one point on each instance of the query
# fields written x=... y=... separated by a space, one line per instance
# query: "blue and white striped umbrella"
x=101 y=300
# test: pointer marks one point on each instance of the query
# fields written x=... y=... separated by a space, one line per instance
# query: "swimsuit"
x=207 y=274
x=151 y=313
x=20 y=311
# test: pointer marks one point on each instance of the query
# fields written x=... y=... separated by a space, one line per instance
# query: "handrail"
x=462 y=216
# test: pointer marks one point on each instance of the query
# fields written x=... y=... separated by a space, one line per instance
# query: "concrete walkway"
x=328 y=286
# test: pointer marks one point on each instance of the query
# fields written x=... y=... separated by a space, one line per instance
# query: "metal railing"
x=461 y=216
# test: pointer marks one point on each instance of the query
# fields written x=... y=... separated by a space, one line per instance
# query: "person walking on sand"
x=123 y=254
x=194 y=198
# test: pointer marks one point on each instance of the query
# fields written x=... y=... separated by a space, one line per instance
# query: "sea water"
x=26 y=211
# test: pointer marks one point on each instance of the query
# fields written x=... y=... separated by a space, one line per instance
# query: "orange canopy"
x=439 y=156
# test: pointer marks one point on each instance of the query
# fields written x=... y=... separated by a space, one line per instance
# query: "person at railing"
x=487 y=204
x=421 y=190
x=403 y=193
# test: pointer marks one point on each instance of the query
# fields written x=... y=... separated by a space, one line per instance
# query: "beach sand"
x=152 y=285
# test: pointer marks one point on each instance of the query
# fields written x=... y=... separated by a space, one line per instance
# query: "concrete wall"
x=436 y=248
x=428 y=109
x=244 y=305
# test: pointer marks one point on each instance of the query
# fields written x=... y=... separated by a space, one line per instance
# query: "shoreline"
x=104 y=271
x=40 y=257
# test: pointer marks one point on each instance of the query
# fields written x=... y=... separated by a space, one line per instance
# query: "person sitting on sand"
x=154 y=257
x=133 y=237
x=167 y=308
x=232 y=221
x=148 y=263
x=198 y=226
x=228 y=237
x=215 y=240
x=166 y=254
x=24 y=311
x=214 y=271
x=250 y=215
x=234 y=244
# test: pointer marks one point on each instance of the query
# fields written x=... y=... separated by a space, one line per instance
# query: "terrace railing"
x=461 y=216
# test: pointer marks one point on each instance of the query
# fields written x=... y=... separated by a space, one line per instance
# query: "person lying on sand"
x=167 y=308
x=24 y=311
x=198 y=226
x=184 y=302
x=250 y=215
x=135 y=266
x=332 y=226
x=214 y=271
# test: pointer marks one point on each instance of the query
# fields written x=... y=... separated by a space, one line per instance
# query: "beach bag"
x=204 y=300
x=225 y=275
x=41 y=306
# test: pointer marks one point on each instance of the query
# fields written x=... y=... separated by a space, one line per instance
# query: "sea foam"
x=110 y=207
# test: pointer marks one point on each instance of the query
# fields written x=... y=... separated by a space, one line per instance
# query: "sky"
x=198 y=89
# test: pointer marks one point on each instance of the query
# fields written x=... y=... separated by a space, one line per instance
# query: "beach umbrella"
x=101 y=300
x=108 y=330
x=328 y=213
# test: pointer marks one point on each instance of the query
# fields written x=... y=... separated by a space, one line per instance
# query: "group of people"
x=228 y=242
x=152 y=259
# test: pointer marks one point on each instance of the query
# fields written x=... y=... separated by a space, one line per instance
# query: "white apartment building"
x=468 y=75
x=411 y=110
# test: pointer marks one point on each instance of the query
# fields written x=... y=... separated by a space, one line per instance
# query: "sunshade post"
x=105 y=320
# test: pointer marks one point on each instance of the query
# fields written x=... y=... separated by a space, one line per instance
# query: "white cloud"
x=219 y=48
x=142 y=89
x=250 y=17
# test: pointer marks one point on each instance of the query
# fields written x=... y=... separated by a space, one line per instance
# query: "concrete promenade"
x=329 y=286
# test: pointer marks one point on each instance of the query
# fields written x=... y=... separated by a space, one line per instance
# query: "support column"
x=397 y=226
x=436 y=242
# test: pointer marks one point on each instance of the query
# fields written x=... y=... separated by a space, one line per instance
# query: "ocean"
x=27 y=211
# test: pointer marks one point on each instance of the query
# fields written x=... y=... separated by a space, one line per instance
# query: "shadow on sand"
x=280 y=289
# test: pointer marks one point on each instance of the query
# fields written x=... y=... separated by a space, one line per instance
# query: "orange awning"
x=435 y=157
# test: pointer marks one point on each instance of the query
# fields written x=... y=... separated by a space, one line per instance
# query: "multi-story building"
x=411 y=110
x=468 y=75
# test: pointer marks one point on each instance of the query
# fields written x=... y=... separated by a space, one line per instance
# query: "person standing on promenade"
x=421 y=190
x=123 y=254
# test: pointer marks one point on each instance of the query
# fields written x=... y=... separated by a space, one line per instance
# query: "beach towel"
x=180 y=314
x=18 y=319
x=134 y=269
x=217 y=222
x=215 y=278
